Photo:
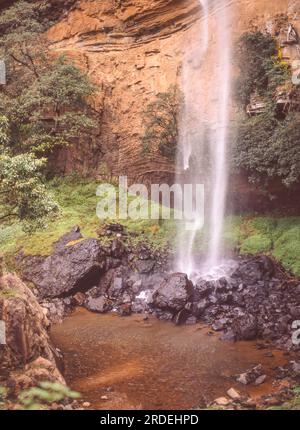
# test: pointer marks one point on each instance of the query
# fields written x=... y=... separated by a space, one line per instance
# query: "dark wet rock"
x=296 y=367
x=202 y=289
x=220 y=324
x=191 y=320
x=144 y=266
x=117 y=228
x=116 y=288
x=70 y=237
x=228 y=336
x=99 y=304
x=112 y=263
x=117 y=249
x=112 y=283
x=125 y=309
x=197 y=308
x=251 y=375
x=255 y=302
x=290 y=370
x=255 y=269
x=245 y=327
x=72 y=268
x=78 y=299
x=112 y=229
x=164 y=315
x=174 y=293
x=182 y=317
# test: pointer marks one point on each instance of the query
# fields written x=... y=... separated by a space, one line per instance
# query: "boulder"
x=26 y=326
x=173 y=293
x=117 y=249
x=99 y=304
x=251 y=375
x=72 y=267
x=145 y=266
x=245 y=327
x=254 y=269
x=40 y=370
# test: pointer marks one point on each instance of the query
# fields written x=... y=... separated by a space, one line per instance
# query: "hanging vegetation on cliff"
x=161 y=123
x=45 y=99
x=268 y=138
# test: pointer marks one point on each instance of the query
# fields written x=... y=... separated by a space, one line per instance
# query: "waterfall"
x=203 y=132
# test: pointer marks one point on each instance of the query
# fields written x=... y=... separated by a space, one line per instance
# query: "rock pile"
x=256 y=301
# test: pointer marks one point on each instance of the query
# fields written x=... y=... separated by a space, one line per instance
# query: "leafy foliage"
x=161 y=123
x=3 y=394
x=50 y=111
x=21 y=35
x=44 y=105
x=46 y=99
x=260 y=66
x=22 y=193
x=46 y=393
x=267 y=145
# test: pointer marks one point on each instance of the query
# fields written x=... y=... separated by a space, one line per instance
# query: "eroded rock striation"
x=134 y=50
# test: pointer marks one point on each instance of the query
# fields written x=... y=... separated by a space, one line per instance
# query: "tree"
x=52 y=110
x=22 y=39
x=46 y=100
x=266 y=145
x=43 y=105
x=161 y=123
x=22 y=193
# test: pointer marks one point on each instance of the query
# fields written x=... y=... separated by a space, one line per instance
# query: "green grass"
x=257 y=243
x=277 y=236
x=77 y=199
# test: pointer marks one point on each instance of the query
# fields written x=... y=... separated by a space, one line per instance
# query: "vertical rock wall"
x=132 y=50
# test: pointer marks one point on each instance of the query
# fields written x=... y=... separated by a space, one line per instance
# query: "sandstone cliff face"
x=133 y=50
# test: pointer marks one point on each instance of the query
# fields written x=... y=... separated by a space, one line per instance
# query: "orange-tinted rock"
x=132 y=50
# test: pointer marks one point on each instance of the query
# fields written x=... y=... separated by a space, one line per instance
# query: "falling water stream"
x=140 y=362
x=204 y=133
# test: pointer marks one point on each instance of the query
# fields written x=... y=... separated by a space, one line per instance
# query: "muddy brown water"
x=138 y=364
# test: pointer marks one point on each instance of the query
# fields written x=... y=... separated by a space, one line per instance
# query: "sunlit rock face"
x=134 y=50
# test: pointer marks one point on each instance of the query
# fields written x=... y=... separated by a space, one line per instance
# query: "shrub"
x=266 y=146
x=161 y=123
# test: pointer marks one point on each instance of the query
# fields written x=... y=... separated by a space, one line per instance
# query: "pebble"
x=233 y=394
x=222 y=401
x=260 y=380
x=86 y=404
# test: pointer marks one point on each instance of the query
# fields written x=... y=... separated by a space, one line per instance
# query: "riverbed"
x=139 y=362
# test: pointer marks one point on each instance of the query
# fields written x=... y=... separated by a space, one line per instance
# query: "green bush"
x=45 y=394
x=266 y=146
x=161 y=123
x=254 y=54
